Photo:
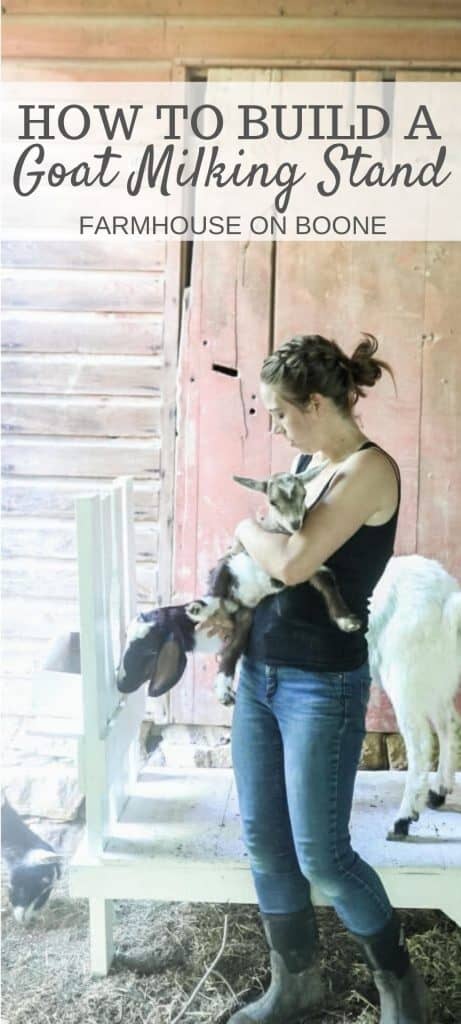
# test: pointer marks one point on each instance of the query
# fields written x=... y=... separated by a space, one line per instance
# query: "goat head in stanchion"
x=159 y=641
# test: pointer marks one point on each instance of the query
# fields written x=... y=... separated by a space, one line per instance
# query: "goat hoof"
x=349 y=623
x=400 y=831
x=223 y=689
x=227 y=700
x=435 y=800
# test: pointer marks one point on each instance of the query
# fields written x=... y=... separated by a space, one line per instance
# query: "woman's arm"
x=364 y=486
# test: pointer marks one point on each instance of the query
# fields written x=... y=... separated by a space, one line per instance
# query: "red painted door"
x=242 y=296
x=222 y=430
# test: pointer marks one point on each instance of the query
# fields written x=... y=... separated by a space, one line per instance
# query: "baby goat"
x=238 y=578
x=33 y=864
x=158 y=642
x=414 y=639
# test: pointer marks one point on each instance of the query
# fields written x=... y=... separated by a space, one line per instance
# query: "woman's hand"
x=219 y=624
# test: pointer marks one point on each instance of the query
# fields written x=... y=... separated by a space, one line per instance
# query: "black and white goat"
x=414 y=639
x=158 y=642
x=33 y=865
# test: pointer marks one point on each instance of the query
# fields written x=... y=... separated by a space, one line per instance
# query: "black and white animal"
x=414 y=639
x=33 y=865
x=159 y=641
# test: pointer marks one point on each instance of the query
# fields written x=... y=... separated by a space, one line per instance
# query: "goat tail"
x=452 y=613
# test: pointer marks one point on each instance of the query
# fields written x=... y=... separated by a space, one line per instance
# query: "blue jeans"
x=296 y=742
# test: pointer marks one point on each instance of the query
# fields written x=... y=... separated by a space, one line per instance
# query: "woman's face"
x=299 y=426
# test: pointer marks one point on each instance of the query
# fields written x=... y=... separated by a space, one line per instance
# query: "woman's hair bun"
x=365 y=369
x=309 y=363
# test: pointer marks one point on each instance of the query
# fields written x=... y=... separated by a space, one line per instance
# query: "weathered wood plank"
x=243 y=8
x=341 y=289
x=39 y=496
x=440 y=468
x=82 y=374
x=199 y=40
x=55 y=538
x=58 y=579
x=109 y=458
x=406 y=75
x=133 y=254
x=222 y=430
x=22 y=658
x=85 y=71
x=168 y=416
x=60 y=332
x=94 y=417
x=45 y=619
x=121 y=291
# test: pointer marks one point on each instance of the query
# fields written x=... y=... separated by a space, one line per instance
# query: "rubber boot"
x=296 y=984
x=404 y=998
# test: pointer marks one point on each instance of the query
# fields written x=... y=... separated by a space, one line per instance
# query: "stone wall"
x=40 y=774
x=209 y=747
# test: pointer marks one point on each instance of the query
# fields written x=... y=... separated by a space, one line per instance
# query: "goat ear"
x=169 y=667
x=254 y=485
x=311 y=472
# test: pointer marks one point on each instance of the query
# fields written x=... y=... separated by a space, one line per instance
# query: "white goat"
x=414 y=638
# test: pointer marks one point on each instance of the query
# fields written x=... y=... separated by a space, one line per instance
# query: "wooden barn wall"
x=90 y=338
x=86 y=367
x=406 y=294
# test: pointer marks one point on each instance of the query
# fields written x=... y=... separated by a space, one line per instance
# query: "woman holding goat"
x=299 y=718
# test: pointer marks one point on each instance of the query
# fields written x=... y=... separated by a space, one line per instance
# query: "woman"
x=304 y=685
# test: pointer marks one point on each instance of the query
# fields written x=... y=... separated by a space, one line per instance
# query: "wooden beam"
x=242 y=8
x=220 y=39
x=168 y=416
x=85 y=71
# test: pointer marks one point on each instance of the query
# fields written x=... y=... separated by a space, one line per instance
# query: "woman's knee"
x=329 y=873
x=270 y=850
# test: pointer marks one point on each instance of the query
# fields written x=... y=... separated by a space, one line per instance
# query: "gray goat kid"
x=241 y=584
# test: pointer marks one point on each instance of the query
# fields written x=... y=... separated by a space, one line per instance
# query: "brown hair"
x=308 y=364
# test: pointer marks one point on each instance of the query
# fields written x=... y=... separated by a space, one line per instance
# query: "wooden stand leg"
x=452 y=908
x=101 y=935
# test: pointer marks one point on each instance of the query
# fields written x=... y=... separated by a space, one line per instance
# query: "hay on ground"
x=164 y=949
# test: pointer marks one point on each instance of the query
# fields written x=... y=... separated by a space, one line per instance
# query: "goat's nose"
x=297 y=524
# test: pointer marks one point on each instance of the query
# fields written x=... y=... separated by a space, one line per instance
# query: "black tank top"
x=293 y=627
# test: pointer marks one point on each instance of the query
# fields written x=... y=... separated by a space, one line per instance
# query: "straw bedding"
x=163 y=950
